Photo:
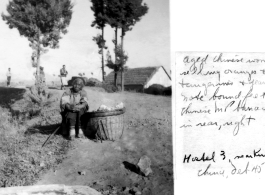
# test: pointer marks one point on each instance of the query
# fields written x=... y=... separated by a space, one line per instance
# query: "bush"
x=92 y=82
x=110 y=88
x=8 y=125
x=155 y=89
x=168 y=91
x=85 y=79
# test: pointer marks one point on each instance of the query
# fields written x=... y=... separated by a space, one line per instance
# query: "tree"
x=133 y=10
x=99 y=7
x=120 y=59
x=114 y=13
x=123 y=14
x=101 y=45
x=41 y=21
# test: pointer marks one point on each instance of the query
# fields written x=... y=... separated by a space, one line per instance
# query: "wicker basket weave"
x=108 y=125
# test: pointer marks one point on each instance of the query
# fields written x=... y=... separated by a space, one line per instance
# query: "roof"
x=134 y=76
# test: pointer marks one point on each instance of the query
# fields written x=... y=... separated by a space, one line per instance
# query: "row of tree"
x=119 y=14
x=44 y=21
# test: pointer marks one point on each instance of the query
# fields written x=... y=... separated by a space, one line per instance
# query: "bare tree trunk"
x=116 y=42
x=122 y=70
x=122 y=80
x=103 y=72
x=38 y=59
x=34 y=90
x=37 y=71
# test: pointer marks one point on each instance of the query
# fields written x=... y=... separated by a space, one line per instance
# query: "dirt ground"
x=106 y=166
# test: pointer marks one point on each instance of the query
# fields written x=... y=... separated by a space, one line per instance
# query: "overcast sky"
x=148 y=44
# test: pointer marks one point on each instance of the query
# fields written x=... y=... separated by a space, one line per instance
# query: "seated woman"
x=73 y=105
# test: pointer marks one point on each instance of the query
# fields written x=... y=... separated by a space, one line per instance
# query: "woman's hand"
x=69 y=107
x=75 y=108
x=78 y=107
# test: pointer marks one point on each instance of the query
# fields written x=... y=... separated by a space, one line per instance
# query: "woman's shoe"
x=80 y=133
x=72 y=133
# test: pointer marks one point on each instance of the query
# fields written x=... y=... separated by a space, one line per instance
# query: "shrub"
x=168 y=91
x=85 y=79
x=155 y=89
x=92 y=82
x=110 y=88
x=8 y=125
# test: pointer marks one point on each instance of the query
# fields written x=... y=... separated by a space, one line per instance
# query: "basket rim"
x=105 y=113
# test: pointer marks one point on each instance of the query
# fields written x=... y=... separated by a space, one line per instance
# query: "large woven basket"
x=107 y=125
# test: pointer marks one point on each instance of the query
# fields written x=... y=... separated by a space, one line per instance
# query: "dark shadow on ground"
x=54 y=87
x=49 y=129
x=132 y=167
x=8 y=95
x=88 y=133
x=46 y=130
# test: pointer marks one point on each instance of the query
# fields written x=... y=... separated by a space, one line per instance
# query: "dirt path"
x=147 y=132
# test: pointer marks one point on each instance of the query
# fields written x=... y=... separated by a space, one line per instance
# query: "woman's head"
x=78 y=84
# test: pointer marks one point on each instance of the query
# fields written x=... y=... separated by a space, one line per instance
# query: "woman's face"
x=77 y=86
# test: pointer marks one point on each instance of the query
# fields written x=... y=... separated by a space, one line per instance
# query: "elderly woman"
x=73 y=105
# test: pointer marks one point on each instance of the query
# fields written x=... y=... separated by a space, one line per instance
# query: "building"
x=139 y=79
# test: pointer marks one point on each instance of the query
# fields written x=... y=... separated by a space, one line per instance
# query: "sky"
x=148 y=44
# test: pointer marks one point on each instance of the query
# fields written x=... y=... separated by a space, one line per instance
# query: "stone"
x=82 y=172
x=106 y=192
x=146 y=191
x=145 y=165
x=125 y=189
x=118 y=148
x=135 y=191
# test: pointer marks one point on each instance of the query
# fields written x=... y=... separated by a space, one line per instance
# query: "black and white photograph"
x=85 y=97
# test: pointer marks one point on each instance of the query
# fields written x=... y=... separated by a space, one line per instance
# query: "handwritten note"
x=220 y=114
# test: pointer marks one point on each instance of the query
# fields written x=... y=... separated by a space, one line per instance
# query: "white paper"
x=219 y=116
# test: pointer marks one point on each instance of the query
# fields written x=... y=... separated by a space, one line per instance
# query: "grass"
x=23 y=159
x=8 y=124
